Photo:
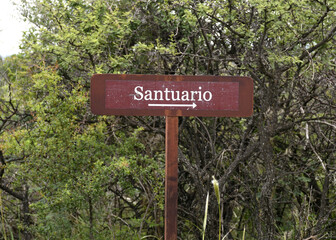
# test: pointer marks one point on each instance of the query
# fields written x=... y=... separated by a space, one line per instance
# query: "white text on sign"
x=171 y=95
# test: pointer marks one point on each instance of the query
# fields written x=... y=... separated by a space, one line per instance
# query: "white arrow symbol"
x=172 y=105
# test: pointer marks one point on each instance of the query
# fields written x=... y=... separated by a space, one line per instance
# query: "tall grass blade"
x=216 y=187
x=205 y=215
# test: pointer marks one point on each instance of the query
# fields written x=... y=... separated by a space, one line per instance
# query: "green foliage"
x=67 y=174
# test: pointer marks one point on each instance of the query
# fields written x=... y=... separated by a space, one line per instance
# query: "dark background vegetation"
x=68 y=174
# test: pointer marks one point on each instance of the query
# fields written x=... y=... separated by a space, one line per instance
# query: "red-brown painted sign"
x=167 y=95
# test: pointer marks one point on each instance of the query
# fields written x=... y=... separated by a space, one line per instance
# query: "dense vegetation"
x=68 y=174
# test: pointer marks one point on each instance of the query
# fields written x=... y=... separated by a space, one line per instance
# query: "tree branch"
x=330 y=34
x=12 y=193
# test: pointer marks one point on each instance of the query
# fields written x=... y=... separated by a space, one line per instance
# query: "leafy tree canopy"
x=66 y=173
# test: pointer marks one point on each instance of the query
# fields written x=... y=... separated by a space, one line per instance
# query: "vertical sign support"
x=171 y=178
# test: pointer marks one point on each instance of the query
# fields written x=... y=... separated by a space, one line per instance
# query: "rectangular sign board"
x=171 y=95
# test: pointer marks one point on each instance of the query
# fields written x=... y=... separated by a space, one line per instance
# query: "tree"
x=95 y=177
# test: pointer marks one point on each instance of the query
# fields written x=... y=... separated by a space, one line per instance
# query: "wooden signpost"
x=171 y=96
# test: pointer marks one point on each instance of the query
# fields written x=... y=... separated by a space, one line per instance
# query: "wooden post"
x=171 y=178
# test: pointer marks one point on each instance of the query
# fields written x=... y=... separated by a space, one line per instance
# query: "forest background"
x=68 y=174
